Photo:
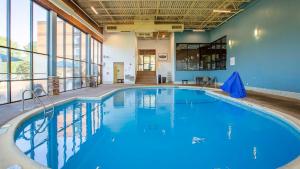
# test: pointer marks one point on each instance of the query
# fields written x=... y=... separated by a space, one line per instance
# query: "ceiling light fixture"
x=221 y=11
x=94 y=10
x=198 y=30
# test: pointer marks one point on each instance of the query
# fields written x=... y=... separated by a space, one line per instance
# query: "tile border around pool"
x=10 y=155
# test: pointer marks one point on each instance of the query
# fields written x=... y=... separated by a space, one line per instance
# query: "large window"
x=71 y=56
x=24 y=51
x=201 y=56
x=96 y=60
x=23 y=54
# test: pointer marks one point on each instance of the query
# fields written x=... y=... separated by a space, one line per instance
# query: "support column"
x=53 y=80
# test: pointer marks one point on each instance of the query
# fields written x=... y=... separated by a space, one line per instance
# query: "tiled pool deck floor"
x=282 y=104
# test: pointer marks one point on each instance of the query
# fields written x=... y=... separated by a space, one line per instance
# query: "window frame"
x=9 y=81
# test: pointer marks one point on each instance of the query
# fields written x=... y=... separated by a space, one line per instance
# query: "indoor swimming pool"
x=158 y=128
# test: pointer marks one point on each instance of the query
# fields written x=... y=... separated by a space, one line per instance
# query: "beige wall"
x=160 y=46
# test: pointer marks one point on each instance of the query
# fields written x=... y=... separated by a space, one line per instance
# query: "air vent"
x=111 y=28
x=177 y=27
x=144 y=34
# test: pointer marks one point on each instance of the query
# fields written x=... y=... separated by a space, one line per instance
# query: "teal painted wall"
x=270 y=60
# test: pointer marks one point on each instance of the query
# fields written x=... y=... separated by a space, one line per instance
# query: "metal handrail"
x=36 y=97
x=47 y=94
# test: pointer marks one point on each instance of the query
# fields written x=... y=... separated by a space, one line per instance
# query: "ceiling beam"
x=100 y=2
x=153 y=15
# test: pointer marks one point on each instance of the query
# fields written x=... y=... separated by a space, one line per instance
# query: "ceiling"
x=194 y=14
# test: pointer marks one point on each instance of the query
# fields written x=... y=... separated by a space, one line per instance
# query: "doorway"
x=146 y=60
x=118 y=72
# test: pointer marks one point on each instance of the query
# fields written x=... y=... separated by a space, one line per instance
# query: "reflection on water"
x=157 y=128
x=67 y=131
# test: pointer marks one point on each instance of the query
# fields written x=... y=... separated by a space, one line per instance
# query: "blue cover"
x=234 y=86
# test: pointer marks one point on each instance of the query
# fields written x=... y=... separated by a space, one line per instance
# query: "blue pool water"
x=158 y=128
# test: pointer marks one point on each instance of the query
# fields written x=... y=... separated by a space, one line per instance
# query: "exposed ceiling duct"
x=144 y=27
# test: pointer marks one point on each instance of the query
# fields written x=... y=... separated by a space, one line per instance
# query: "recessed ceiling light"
x=94 y=10
x=198 y=30
x=221 y=11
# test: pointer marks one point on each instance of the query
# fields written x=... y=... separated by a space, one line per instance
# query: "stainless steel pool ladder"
x=37 y=98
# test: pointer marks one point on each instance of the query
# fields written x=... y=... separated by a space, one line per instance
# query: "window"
x=3 y=23
x=71 y=56
x=20 y=18
x=40 y=16
x=3 y=76
x=202 y=56
x=83 y=59
x=26 y=52
x=96 y=60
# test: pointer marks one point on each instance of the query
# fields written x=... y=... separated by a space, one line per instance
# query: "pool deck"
x=285 y=105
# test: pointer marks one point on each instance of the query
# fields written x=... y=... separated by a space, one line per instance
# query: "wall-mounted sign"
x=162 y=56
x=232 y=61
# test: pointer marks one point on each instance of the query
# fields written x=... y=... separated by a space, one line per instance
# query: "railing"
x=47 y=114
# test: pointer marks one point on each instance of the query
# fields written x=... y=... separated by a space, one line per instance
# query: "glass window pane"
x=100 y=54
x=39 y=29
x=69 y=83
x=83 y=69
x=3 y=92
x=76 y=69
x=95 y=52
x=20 y=65
x=193 y=57
x=3 y=64
x=3 y=23
x=95 y=69
x=69 y=41
x=92 y=50
x=17 y=88
x=77 y=40
x=60 y=67
x=77 y=83
x=69 y=68
x=181 y=57
x=99 y=74
x=83 y=46
x=40 y=66
x=60 y=37
x=83 y=80
x=61 y=85
x=40 y=84
x=20 y=19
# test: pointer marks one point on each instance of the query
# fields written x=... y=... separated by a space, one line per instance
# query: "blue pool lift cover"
x=234 y=86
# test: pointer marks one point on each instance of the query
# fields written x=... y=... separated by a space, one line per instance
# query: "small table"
x=120 y=80
x=185 y=81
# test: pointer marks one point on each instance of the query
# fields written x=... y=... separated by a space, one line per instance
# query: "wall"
x=119 y=47
x=189 y=37
x=271 y=59
x=161 y=46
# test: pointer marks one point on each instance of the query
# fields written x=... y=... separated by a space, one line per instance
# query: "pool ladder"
x=37 y=98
